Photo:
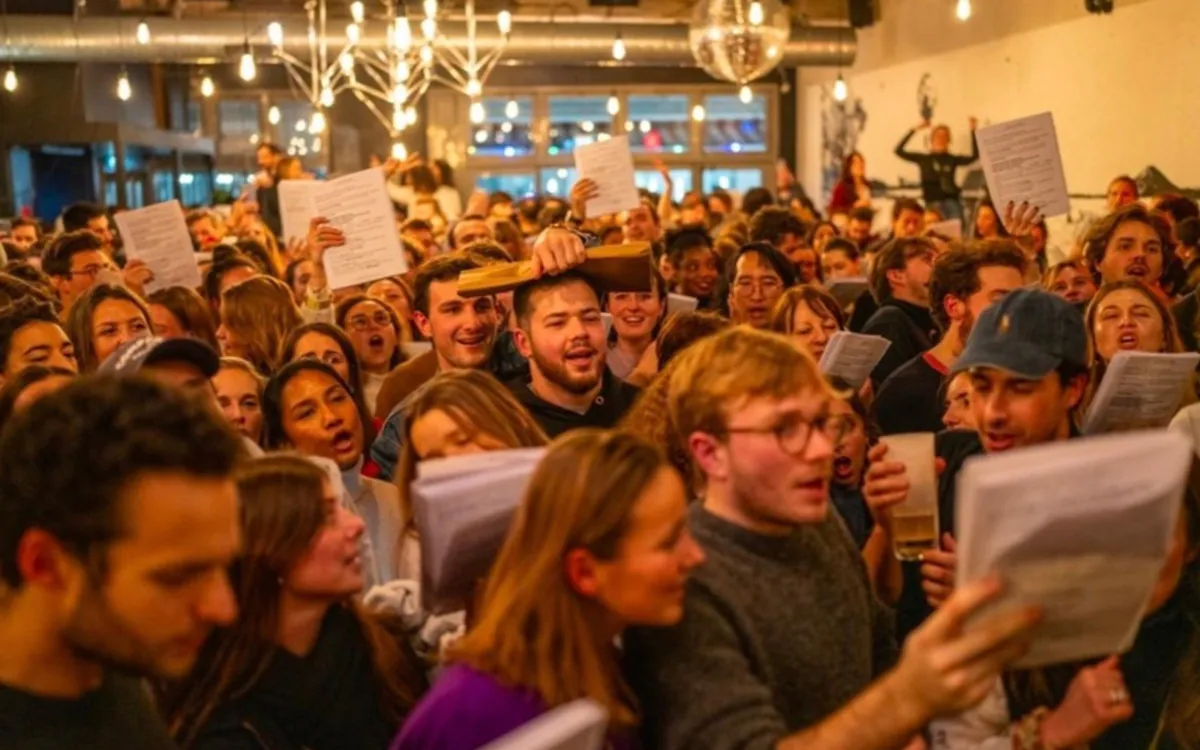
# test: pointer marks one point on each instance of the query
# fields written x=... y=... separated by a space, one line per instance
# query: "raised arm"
x=902 y=148
x=974 y=155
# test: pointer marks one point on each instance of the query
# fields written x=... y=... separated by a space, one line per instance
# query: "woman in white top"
x=636 y=319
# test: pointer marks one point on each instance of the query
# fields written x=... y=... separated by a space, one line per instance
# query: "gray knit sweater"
x=777 y=633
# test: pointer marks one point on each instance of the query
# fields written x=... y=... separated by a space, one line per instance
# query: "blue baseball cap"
x=135 y=354
x=1028 y=333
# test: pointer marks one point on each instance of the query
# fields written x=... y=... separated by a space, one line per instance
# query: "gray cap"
x=1028 y=333
x=135 y=354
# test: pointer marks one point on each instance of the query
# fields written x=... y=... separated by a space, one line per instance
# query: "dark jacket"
x=909 y=328
x=615 y=398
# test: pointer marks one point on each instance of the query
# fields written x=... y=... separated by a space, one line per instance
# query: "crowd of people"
x=207 y=530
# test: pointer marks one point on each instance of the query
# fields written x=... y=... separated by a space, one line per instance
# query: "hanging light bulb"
x=346 y=61
x=356 y=11
x=403 y=71
x=10 y=79
x=755 y=15
x=614 y=105
x=247 y=70
x=618 y=48
x=301 y=126
x=427 y=54
x=430 y=7
x=353 y=33
x=124 y=90
x=316 y=145
x=399 y=94
x=644 y=126
x=840 y=89
x=318 y=122
x=275 y=33
x=399 y=152
x=477 y=112
x=207 y=88
x=429 y=28
x=745 y=95
x=142 y=35
x=963 y=10
x=504 y=22
x=512 y=109
x=273 y=115
x=698 y=113
x=399 y=121
x=410 y=113
x=474 y=88
x=326 y=97
x=402 y=34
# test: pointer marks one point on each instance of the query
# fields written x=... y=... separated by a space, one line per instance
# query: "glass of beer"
x=915 y=521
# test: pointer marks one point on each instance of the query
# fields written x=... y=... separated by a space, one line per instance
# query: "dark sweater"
x=615 y=398
x=1186 y=312
x=910 y=399
x=779 y=633
x=909 y=327
x=938 y=171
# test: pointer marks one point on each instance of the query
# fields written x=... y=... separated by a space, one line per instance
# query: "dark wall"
x=100 y=102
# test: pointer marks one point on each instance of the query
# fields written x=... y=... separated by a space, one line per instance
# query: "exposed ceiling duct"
x=213 y=40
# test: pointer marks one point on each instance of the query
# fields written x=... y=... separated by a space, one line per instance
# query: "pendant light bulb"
x=963 y=10
x=273 y=115
x=399 y=152
x=356 y=11
x=318 y=122
x=478 y=115
x=207 y=88
x=326 y=97
x=504 y=22
x=275 y=33
x=353 y=33
x=755 y=15
x=430 y=7
x=474 y=87
x=402 y=34
x=247 y=70
x=840 y=89
x=429 y=28
x=698 y=113
x=512 y=109
x=614 y=105
x=143 y=33
x=10 y=79
x=745 y=95
x=124 y=89
x=618 y=48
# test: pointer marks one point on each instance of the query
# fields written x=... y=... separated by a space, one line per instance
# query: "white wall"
x=1124 y=88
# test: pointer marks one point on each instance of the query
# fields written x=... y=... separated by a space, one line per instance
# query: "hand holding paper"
x=158 y=236
x=609 y=165
x=1022 y=164
x=852 y=356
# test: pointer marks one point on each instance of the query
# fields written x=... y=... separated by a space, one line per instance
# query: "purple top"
x=467 y=709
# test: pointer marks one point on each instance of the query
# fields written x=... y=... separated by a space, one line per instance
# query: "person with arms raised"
x=939 y=168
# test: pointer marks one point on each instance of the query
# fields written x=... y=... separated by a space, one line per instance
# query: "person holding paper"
x=757 y=275
x=900 y=282
x=965 y=281
x=600 y=543
x=304 y=665
x=637 y=317
x=1132 y=243
x=31 y=335
x=808 y=316
x=561 y=334
x=783 y=643
x=1027 y=357
x=939 y=167
x=76 y=261
x=1145 y=698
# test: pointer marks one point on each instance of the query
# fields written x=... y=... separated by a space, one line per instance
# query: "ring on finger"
x=1117 y=696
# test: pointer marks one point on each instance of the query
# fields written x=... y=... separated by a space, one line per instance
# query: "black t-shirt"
x=909 y=399
x=615 y=398
x=116 y=716
x=908 y=327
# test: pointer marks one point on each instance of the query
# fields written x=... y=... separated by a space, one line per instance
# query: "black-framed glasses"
x=90 y=271
x=361 y=322
x=793 y=433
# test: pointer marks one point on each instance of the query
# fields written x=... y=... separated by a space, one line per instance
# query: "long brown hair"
x=190 y=309
x=477 y=403
x=783 y=318
x=534 y=630
x=281 y=507
x=79 y=320
x=261 y=312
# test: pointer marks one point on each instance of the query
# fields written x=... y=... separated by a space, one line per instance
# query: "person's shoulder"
x=956 y=446
x=466 y=708
x=886 y=317
x=902 y=375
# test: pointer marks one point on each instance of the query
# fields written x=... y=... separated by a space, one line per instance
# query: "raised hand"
x=1096 y=699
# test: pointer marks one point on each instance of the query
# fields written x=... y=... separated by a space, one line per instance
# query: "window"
x=736 y=180
x=134 y=193
x=506 y=130
x=659 y=124
x=650 y=179
x=237 y=120
x=516 y=184
x=162 y=185
x=576 y=121
x=731 y=127
x=558 y=181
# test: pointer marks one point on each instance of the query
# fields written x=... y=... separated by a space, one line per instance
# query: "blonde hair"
x=650 y=418
x=534 y=630
x=718 y=373
x=261 y=312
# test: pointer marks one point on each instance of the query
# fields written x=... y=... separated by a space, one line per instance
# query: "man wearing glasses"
x=900 y=283
x=758 y=276
x=783 y=643
x=74 y=261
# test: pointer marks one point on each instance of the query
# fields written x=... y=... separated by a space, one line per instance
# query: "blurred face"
x=85 y=268
x=1120 y=194
x=375 y=338
x=939 y=140
x=987 y=226
x=463 y=331
x=471 y=230
x=232 y=345
x=165 y=323
x=859 y=231
x=114 y=322
x=644 y=582
x=931 y=218
x=698 y=273
x=391 y=294
x=696 y=213
x=775 y=490
x=956 y=410
x=908 y=224
x=164 y=587
x=640 y=226
x=320 y=347
x=99 y=227
x=204 y=233
x=824 y=234
x=1073 y=284
x=1012 y=412
x=39 y=343
x=994 y=283
x=565 y=338
x=332 y=567
x=266 y=159
x=303 y=275
x=236 y=276
x=812 y=329
x=850 y=453
x=24 y=237
x=756 y=288
x=503 y=210
x=918 y=269
x=805 y=260
x=435 y=434
x=837 y=265
x=1134 y=251
x=240 y=401
x=635 y=314
x=424 y=238
x=1126 y=320
x=858 y=167
x=321 y=419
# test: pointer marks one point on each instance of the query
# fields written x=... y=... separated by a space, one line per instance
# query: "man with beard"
x=1131 y=243
x=562 y=335
x=118 y=519
x=964 y=283
x=900 y=283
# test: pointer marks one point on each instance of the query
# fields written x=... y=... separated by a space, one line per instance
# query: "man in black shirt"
x=965 y=282
x=562 y=335
x=900 y=282
x=1027 y=358
x=939 y=168
x=118 y=519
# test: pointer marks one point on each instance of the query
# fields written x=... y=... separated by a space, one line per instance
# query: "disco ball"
x=738 y=40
